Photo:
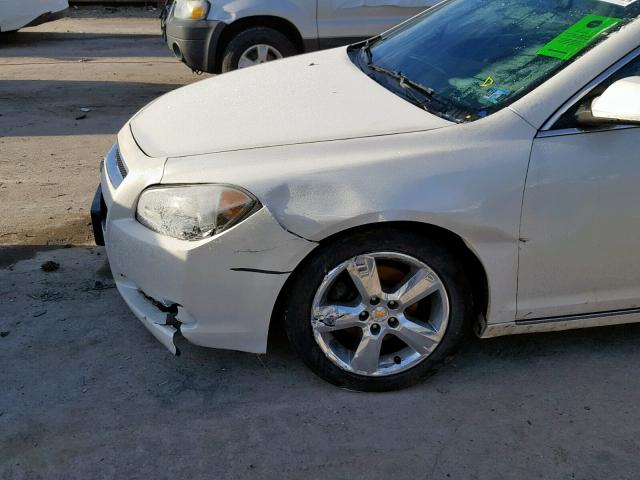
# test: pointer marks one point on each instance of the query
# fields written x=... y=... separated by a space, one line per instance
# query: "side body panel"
x=301 y=13
x=580 y=204
x=341 y=20
x=581 y=225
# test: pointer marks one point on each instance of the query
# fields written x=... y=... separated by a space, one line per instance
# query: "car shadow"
x=79 y=46
x=586 y=354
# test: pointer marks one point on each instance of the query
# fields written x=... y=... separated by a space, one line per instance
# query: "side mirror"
x=618 y=104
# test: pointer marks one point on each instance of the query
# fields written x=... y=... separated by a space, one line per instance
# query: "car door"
x=580 y=230
x=344 y=21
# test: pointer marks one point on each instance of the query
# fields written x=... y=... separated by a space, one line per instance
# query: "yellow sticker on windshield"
x=575 y=38
x=488 y=82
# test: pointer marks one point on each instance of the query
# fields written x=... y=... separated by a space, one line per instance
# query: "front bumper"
x=194 y=42
x=219 y=292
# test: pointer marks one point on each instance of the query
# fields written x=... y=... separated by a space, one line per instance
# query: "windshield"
x=477 y=56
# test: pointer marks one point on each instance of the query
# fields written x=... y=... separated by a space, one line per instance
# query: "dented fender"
x=224 y=287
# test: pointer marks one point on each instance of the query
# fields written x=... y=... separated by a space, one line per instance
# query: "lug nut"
x=397 y=359
x=375 y=328
x=374 y=300
x=393 y=322
x=364 y=315
x=392 y=304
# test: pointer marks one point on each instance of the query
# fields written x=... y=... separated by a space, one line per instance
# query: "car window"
x=568 y=119
x=478 y=56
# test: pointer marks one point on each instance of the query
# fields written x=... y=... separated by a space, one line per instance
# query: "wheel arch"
x=280 y=24
x=468 y=256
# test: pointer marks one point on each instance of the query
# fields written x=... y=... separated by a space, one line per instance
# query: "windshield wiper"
x=367 y=47
x=402 y=79
x=406 y=83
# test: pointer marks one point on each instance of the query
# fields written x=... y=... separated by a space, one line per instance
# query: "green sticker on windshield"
x=570 y=42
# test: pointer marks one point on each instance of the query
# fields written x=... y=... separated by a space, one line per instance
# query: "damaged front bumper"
x=224 y=288
x=218 y=292
x=160 y=322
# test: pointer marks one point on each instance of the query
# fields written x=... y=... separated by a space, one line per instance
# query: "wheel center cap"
x=380 y=313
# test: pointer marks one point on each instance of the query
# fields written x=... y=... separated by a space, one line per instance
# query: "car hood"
x=309 y=98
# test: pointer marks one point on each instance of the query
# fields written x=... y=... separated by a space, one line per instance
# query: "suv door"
x=580 y=226
x=345 y=21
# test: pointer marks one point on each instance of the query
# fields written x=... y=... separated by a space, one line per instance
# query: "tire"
x=252 y=37
x=386 y=246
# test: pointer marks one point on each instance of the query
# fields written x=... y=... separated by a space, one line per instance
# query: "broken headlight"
x=193 y=212
x=191 y=9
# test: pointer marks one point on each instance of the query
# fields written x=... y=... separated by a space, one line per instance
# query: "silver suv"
x=222 y=35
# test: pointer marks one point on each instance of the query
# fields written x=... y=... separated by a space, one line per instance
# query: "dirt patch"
x=12 y=254
x=85 y=9
x=27 y=243
x=75 y=231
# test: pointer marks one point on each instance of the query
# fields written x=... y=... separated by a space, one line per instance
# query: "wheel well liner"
x=451 y=240
x=280 y=24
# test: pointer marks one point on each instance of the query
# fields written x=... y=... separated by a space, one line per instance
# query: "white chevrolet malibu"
x=473 y=169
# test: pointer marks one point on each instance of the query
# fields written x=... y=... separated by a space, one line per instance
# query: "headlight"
x=193 y=212
x=191 y=9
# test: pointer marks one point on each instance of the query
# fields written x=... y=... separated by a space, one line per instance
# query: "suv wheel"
x=254 y=46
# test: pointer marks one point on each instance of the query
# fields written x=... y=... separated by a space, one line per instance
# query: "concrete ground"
x=86 y=392
x=50 y=149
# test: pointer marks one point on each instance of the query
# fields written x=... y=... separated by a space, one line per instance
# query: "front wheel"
x=378 y=310
x=255 y=46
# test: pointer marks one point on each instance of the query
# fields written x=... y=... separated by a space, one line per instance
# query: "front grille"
x=116 y=168
x=122 y=168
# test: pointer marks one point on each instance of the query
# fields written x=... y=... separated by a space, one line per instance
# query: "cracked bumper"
x=151 y=317
x=225 y=287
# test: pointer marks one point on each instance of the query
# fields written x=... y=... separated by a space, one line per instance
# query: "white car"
x=462 y=171
x=16 y=14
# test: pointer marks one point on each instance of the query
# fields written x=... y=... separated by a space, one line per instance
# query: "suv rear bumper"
x=194 y=42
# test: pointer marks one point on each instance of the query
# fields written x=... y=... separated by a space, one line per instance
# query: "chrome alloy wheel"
x=379 y=314
x=257 y=54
